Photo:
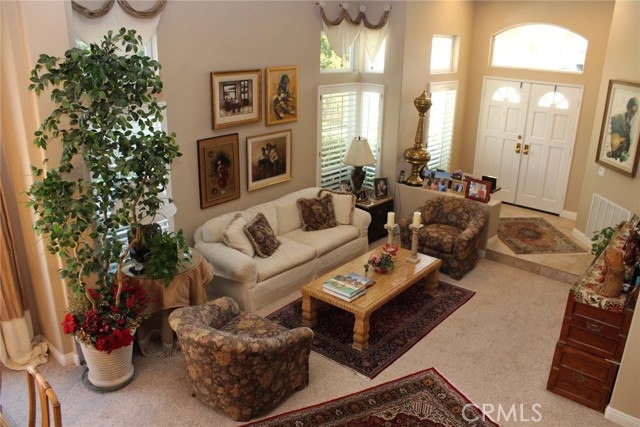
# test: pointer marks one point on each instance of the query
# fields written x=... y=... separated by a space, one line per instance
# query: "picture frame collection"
x=237 y=100
x=459 y=183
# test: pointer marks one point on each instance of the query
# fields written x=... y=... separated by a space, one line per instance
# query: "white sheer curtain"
x=342 y=31
x=93 y=19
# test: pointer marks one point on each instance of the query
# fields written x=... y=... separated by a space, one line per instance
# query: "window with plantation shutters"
x=441 y=120
x=347 y=111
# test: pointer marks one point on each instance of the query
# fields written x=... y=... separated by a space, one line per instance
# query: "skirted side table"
x=188 y=287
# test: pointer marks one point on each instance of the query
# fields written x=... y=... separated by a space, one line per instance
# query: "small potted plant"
x=384 y=262
x=106 y=107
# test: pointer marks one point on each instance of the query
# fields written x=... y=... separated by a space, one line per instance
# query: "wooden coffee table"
x=387 y=286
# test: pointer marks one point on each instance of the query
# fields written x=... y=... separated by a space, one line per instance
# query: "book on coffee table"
x=341 y=295
x=355 y=277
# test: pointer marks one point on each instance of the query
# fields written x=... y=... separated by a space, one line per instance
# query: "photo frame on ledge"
x=618 y=147
x=236 y=98
x=281 y=95
x=478 y=190
x=268 y=159
x=219 y=169
x=458 y=186
x=381 y=188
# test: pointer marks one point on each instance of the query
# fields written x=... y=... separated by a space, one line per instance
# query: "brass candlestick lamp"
x=417 y=156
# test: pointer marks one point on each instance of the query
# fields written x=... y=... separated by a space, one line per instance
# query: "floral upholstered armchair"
x=452 y=229
x=239 y=362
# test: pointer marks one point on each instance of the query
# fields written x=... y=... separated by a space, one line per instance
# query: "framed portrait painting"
x=381 y=187
x=478 y=190
x=282 y=95
x=268 y=159
x=219 y=169
x=620 y=132
x=236 y=98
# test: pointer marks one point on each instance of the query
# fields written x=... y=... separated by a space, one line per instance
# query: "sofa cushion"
x=343 y=205
x=261 y=236
x=287 y=209
x=317 y=213
x=325 y=241
x=234 y=236
x=212 y=229
x=439 y=237
x=268 y=210
x=249 y=325
x=290 y=254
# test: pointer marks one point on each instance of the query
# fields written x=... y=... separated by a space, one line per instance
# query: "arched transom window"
x=539 y=47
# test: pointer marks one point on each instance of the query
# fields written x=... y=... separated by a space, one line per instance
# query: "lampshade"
x=359 y=153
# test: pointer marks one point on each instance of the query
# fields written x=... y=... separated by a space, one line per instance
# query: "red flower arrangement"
x=107 y=326
x=384 y=262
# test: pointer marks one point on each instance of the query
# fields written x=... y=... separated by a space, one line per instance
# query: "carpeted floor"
x=395 y=327
x=534 y=236
x=422 y=399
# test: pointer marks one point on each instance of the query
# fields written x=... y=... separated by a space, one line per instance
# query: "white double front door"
x=526 y=135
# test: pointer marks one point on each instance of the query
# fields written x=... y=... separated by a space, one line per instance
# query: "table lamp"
x=358 y=155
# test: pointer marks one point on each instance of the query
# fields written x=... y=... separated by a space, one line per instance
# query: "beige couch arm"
x=361 y=220
x=227 y=262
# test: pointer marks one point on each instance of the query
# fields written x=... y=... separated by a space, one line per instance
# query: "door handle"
x=518 y=146
x=526 y=149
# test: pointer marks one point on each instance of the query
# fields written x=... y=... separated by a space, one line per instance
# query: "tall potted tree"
x=110 y=176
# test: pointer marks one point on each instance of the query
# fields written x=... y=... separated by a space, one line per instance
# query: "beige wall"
x=622 y=62
x=590 y=19
x=197 y=38
x=624 y=42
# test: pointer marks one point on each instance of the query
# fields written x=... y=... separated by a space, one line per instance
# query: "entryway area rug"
x=526 y=236
x=425 y=398
x=395 y=327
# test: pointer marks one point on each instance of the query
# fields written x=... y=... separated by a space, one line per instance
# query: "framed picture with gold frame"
x=458 y=186
x=219 y=169
x=619 y=144
x=236 y=98
x=268 y=159
x=281 y=95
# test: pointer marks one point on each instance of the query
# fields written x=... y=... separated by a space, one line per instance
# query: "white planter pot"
x=108 y=371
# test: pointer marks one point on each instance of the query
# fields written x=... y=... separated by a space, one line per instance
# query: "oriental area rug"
x=425 y=398
x=395 y=327
x=526 y=236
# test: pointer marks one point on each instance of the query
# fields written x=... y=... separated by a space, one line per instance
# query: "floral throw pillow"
x=261 y=235
x=317 y=214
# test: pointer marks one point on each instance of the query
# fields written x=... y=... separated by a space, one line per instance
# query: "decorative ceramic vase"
x=108 y=371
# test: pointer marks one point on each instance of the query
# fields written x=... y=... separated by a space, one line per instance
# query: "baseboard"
x=63 y=359
x=621 y=418
x=569 y=215
x=581 y=237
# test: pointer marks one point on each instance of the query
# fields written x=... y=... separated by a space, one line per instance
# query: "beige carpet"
x=496 y=349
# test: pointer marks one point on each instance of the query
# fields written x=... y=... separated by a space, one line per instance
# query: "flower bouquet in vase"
x=384 y=262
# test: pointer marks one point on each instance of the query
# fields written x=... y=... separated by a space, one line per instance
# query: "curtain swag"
x=361 y=17
x=124 y=4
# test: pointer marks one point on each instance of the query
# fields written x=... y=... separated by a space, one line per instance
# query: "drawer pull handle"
x=579 y=378
x=593 y=326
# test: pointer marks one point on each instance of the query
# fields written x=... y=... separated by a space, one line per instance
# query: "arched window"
x=539 y=47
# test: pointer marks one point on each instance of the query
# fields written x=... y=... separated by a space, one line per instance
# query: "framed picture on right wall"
x=620 y=133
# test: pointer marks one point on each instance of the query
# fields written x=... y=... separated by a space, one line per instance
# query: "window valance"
x=342 y=31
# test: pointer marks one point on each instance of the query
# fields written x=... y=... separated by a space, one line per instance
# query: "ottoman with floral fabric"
x=239 y=362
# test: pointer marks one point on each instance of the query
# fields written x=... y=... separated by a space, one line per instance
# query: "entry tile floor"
x=563 y=267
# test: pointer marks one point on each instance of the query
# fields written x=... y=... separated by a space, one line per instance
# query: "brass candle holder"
x=413 y=258
x=418 y=156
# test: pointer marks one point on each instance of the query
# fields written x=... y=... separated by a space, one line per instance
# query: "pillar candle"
x=391 y=219
x=416 y=219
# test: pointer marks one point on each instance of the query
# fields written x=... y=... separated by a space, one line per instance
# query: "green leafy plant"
x=105 y=110
x=166 y=255
x=601 y=238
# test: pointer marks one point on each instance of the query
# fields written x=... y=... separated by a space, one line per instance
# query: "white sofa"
x=301 y=257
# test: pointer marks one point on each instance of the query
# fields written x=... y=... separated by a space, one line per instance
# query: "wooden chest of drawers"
x=592 y=339
x=588 y=353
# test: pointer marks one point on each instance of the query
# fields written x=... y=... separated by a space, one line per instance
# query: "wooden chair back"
x=48 y=399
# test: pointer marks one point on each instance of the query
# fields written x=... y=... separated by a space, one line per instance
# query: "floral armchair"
x=240 y=362
x=452 y=229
